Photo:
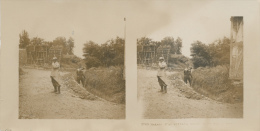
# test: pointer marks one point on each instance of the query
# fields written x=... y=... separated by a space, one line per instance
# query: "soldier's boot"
x=165 y=89
x=161 y=89
x=58 y=91
x=55 y=89
x=78 y=80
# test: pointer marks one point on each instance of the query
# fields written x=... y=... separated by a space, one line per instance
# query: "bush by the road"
x=216 y=53
x=110 y=53
x=214 y=83
x=106 y=83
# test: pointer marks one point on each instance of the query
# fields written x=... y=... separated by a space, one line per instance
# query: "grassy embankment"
x=106 y=83
x=214 y=83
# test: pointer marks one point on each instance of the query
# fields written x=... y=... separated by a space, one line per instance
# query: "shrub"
x=199 y=62
x=214 y=83
x=92 y=62
x=213 y=54
x=110 y=53
x=106 y=83
x=75 y=59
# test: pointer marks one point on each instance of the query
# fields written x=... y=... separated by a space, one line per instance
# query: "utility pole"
x=124 y=48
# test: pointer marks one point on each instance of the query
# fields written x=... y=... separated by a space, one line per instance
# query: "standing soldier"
x=161 y=75
x=80 y=76
x=187 y=75
x=55 y=75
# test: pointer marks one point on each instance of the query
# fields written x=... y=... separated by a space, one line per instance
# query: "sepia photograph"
x=129 y=65
x=193 y=68
x=70 y=66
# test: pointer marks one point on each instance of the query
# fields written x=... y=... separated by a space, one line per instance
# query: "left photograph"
x=71 y=67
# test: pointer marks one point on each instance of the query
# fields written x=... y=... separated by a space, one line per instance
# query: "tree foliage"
x=144 y=41
x=70 y=45
x=67 y=45
x=24 y=39
x=37 y=41
x=61 y=41
x=110 y=53
x=176 y=45
x=169 y=41
x=216 y=53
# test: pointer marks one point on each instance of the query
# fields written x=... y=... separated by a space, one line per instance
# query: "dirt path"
x=175 y=104
x=36 y=101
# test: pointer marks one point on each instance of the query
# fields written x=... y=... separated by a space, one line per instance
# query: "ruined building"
x=149 y=54
x=236 y=48
x=39 y=54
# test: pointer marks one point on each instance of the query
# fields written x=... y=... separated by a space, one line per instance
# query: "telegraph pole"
x=124 y=48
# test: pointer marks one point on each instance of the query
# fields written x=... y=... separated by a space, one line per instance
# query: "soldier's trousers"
x=161 y=82
x=81 y=80
x=186 y=79
x=54 y=83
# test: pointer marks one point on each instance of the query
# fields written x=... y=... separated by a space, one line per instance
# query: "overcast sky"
x=102 y=20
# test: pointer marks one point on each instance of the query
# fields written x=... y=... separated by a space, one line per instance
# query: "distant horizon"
x=122 y=38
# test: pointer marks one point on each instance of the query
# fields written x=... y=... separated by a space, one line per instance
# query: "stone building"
x=236 y=48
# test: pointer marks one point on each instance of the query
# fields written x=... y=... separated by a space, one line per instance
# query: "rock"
x=188 y=97
x=82 y=97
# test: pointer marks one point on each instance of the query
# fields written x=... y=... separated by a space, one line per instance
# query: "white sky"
x=102 y=20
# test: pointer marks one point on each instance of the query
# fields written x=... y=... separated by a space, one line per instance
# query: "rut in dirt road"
x=36 y=101
x=177 y=104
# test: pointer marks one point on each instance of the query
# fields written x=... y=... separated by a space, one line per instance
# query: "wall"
x=236 y=48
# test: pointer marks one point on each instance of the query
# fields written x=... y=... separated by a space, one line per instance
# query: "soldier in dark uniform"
x=80 y=76
x=187 y=75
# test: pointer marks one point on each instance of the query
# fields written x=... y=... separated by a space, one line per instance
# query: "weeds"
x=212 y=83
x=215 y=83
x=106 y=83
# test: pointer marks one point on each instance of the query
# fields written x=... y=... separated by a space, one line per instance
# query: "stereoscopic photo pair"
x=56 y=83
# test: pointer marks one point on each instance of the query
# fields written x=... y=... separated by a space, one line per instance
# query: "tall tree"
x=220 y=52
x=91 y=49
x=144 y=41
x=24 y=39
x=70 y=45
x=216 y=53
x=37 y=41
x=48 y=43
x=92 y=54
x=118 y=50
x=178 y=43
x=169 y=41
x=61 y=41
x=200 y=54
x=110 y=53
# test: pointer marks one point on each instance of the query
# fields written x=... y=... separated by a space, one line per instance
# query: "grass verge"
x=214 y=83
x=106 y=83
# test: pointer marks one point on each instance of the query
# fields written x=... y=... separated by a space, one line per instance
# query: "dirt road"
x=175 y=104
x=36 y=101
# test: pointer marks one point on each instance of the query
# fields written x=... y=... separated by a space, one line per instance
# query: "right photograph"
x=192 y=69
